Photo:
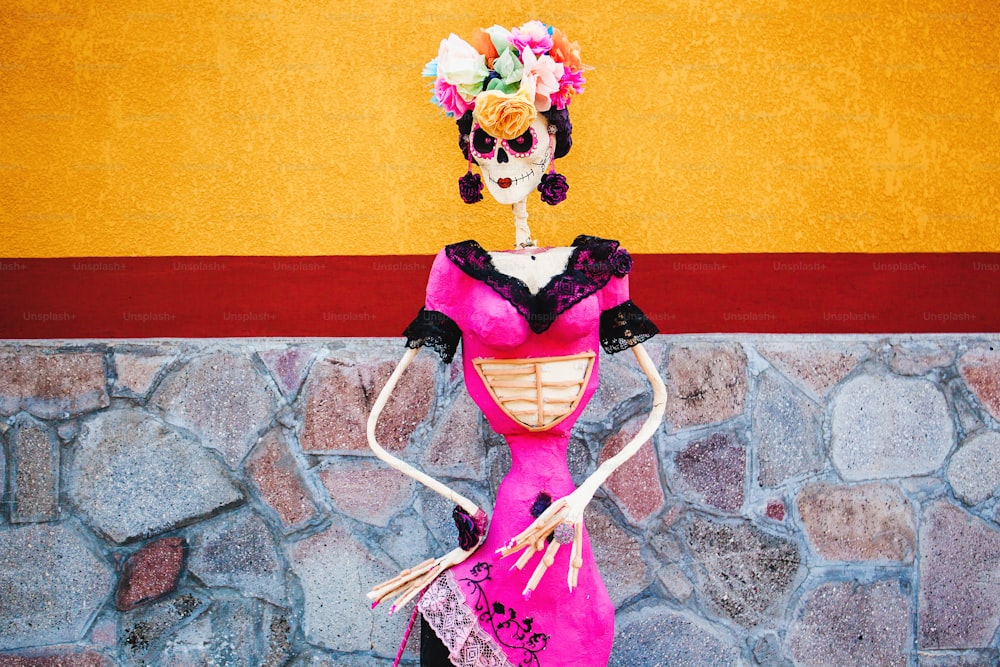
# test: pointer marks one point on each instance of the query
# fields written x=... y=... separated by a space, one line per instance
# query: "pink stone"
x=816 y=367
x=618 y=555
x=959 y=596
x=150 y=573
x=53 y=657
x=336 y=409
x=980 y=368
x=369 y=492
x=288 y=367
x=457 y=447
x=272 y=469
x=136 y=371
x=850 y=623
x=636 y=483
x=919 y=357
x=339 y=394
x=411 y=401
x=706 y=383
x=714 y=468
x=864 y=522
x=52 y=385
x=775 y=510
x=34 y=483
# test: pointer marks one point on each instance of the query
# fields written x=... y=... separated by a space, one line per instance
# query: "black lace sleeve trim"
x=435 y=330
x=625 y=326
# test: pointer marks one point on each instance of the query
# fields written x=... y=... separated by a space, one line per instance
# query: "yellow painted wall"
x=294 y=128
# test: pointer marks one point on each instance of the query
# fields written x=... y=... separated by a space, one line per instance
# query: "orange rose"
x=565 y=52
x=482 y=42
x=503 y=115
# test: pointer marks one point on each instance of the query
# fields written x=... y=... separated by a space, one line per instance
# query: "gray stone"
x=674 y=582
x=51 y=385
x=223 y=636
x=713 y=469
x=706 y=383
x=136 y=371
x=34 y=471
x=457 y=447
x=289 y=366
x=974 y=470
x=142 y=631
x=222 y=398
x=987 y=657
x=368 y=491
x=407 y=541
x=657 y=636
x=51 y=585
x=816 y=367
x=959 y=596
x=744 y=573
x=919 y=357
x=849 y=623
x=314 y=658
x=786 y=431
x=767 y=651
x=68 y=431
x=617 y=554
x=226 y=635
x=871 y=521
x=886 y=427
x=335 y=571
x=238 y=551
x=133 y=477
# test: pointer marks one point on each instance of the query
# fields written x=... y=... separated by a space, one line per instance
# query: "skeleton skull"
x=513 y=167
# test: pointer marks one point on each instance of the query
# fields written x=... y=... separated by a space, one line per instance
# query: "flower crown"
x=523 y=71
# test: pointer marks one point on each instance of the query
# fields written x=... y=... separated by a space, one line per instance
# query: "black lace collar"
x=591 y=265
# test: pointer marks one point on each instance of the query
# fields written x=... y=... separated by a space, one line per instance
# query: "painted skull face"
x=512 y=167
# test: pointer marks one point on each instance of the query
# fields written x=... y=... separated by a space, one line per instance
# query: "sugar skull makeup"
x=512 y=167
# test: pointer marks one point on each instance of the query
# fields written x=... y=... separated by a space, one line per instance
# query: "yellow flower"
x=504 y=115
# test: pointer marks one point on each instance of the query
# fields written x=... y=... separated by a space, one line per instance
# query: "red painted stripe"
x=137 y=297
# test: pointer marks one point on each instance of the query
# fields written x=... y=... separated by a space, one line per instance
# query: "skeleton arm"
x=411 y=581
x=397 y=463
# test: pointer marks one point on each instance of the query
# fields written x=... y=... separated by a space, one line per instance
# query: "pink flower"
x=541 y=78
x=570 y=84
x=449 y=98
x=534 y=35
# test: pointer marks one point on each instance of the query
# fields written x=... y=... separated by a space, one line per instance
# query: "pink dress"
x=477 y=608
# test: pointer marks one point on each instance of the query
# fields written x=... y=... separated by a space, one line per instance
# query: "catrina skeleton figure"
x=531 y=322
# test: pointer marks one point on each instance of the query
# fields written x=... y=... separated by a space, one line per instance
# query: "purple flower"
x=621 y=262
x=553 y=188
x=470 y=187
x=471 y=529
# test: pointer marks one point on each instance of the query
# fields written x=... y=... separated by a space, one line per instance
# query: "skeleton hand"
x=408 y=583
x=563 y=520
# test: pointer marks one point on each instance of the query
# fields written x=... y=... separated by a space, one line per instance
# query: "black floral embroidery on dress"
x=511 y=632
x=593 y=262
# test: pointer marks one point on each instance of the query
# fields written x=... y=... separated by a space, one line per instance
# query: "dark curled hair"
x=557 y=117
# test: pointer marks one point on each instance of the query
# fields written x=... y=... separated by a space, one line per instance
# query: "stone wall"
x=812 y=500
